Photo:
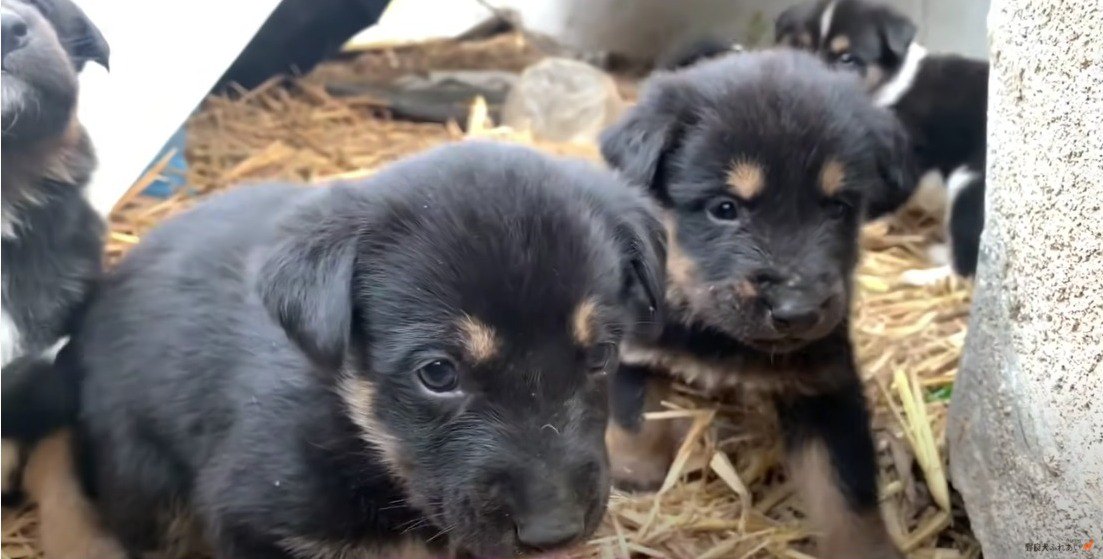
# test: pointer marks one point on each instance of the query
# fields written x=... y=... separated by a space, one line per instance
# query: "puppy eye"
x=724 y=209
x=847 y=59
x=837 y=208
x=439 y=376
x=602 y=358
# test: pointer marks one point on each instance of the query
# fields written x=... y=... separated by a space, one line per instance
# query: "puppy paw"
x=638 y=461
x=927 y=276
x=635 y=475
x=939 y=254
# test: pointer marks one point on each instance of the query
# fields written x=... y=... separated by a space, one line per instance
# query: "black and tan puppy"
x=766 y=164
x=415 y=359
x=941 y=99
x=52 y=249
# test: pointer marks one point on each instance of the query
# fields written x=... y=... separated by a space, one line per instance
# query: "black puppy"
x=687 y=54
x=766 y=165
x=419 y=357
x=51 y=255
x=941 y=99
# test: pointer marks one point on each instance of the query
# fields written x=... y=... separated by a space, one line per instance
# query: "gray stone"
x=562 y=100
x=1026 y=421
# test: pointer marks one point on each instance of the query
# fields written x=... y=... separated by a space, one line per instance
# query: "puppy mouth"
x=784 y=344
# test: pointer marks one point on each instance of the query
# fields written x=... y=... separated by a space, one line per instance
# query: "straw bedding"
x=726 y=496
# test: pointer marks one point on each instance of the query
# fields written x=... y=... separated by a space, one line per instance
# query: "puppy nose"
x=795 y=315
x=547 y=532
x=14 y=31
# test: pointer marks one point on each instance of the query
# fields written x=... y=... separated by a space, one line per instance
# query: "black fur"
x=297 y=36
x=222 y=358
x=705 y=48
x=52 y=238
x=792 y=244
x=944 y=110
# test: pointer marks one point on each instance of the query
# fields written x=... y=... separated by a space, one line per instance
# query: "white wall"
x=645 y=27
x=165 y=56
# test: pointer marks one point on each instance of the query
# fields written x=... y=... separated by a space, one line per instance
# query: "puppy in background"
x=684 y=55
x=417 y=360
x=765 y=165
x=941 y=99
x=51 y=253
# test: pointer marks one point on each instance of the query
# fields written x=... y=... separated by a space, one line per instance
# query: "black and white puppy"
x=766 y=165
x=51 y=250
x=52 y=238
x=415 y=359
x=941 y=99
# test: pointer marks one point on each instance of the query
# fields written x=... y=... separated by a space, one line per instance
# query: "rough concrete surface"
x=1026 y=421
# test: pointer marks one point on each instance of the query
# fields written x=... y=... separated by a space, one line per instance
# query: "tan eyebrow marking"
x=832 y=177
x=746 y=178
x=479 y=339
x=840 y=44
x=582 y=322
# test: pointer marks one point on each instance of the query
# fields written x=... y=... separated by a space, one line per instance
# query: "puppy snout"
x=14 y=31
x=796 y=314
x=547 y=530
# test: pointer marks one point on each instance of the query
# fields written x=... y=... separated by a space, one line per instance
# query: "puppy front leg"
x=831 y=459
x=640 y=451
x=69 y=526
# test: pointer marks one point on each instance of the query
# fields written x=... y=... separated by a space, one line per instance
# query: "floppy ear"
x=897 y=31
x=638 y=144
x=789 y=23
x=305 y=279
x=642 y=242
x=81 y=38
x=896 y=167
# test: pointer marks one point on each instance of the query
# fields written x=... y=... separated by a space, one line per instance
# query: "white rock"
x=1026 y=421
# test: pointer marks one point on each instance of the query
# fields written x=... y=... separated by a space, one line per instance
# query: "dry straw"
x=725 y=496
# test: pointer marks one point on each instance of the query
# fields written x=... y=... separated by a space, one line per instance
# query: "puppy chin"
x=14 y=94
x=31 y=113
x=768 y=340
x=479 y=544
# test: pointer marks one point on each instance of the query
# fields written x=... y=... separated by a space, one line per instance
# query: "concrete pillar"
x=1026 y=421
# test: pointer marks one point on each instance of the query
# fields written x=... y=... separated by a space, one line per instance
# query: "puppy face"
x=766 y=164
x=795 y=27
x=45 y=44
x=478 y=296
x=870 y=40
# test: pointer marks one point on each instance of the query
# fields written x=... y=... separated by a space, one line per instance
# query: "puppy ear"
x=642 y=241
x=896 y=167
x=81 y=39
x=639 y=143
x=789 y=23
x=897 y=31
x=305 y=279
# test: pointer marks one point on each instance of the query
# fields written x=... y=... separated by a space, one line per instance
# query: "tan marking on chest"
x=310 y=548
x=717 y=379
